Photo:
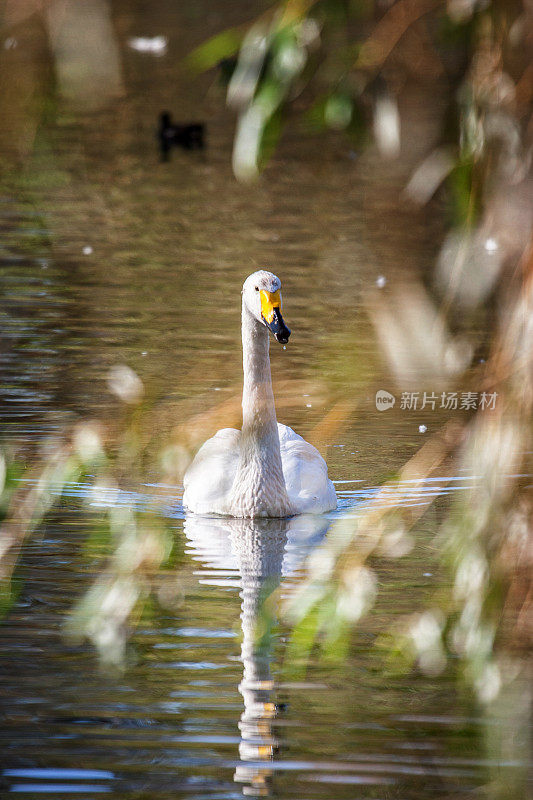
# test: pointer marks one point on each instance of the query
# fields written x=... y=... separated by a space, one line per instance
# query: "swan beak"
x=271 y=314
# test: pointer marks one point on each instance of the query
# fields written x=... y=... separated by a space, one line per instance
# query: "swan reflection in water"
x=262 y=551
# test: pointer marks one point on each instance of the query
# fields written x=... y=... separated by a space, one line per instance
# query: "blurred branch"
x=390 y=29
x=524 y=87
x=29 y=502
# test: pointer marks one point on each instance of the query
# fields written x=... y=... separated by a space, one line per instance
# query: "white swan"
x=265 y=470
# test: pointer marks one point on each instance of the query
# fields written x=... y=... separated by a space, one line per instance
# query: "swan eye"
x=257 y=288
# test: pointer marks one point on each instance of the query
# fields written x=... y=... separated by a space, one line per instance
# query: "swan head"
x=261 y=294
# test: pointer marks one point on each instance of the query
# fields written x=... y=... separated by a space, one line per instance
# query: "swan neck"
x=258 y=408
x=259 y=486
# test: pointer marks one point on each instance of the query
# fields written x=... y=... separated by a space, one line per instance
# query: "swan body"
x=266 y=469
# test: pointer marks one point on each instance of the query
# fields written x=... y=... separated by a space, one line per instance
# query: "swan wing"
x=306 y=474
x=209 y=478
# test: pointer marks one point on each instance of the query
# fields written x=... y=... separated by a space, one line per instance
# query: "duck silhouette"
x=189 y=136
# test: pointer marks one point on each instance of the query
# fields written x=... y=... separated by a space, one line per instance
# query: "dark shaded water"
x=159 y=289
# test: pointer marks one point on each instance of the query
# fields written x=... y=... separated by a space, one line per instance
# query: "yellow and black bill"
x=271 y=314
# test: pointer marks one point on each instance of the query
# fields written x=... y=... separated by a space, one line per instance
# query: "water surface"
x=110 y=257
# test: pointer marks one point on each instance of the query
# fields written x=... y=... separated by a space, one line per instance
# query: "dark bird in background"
x=189 y=136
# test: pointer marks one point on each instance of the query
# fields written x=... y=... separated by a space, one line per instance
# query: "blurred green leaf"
x=219 y=47
x=338 y=111
x=9 y=593
x=301 y=643
x=314 y=116
x=465 y=203
x=270 y=138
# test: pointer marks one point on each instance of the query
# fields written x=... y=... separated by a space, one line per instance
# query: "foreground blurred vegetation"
x=353 y=68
